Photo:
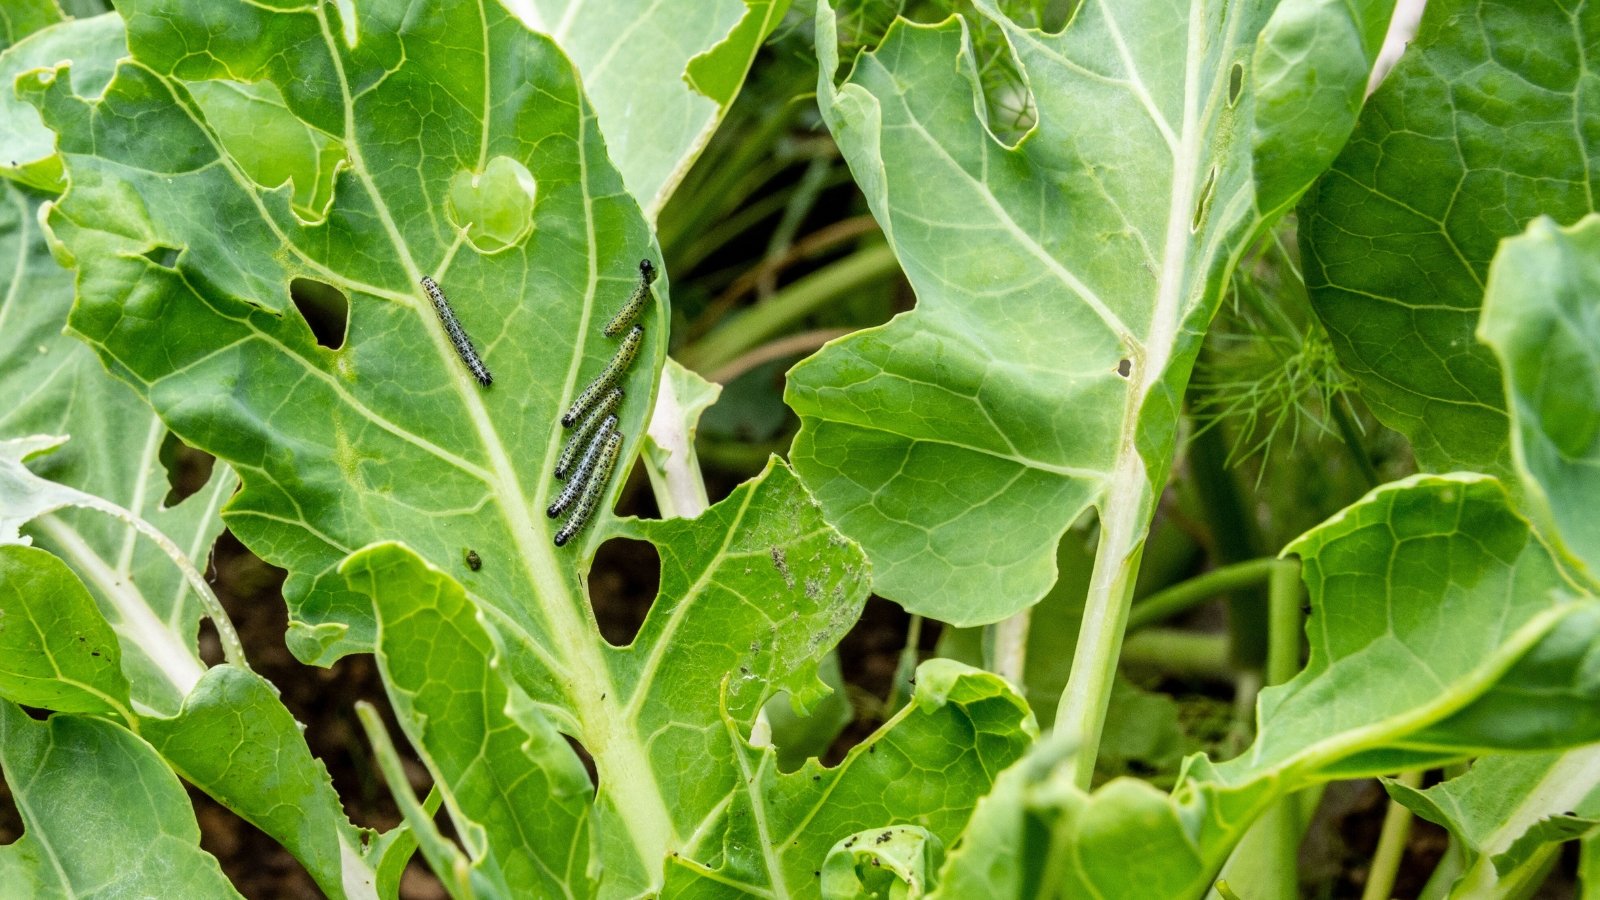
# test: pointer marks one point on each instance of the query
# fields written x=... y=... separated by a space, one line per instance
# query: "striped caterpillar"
x=585 y=434
x=593 y=489
x=608 y=377
x=630 y=310
x=586 y=468
x=458 y=336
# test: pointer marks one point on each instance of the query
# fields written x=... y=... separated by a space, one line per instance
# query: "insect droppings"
x=458 y=335
x=593 y=490
x=608 y=377
x=636 y=300
x=474 y=562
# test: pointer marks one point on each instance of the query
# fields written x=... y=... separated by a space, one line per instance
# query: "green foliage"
x=243 y=199
x=1467 y=140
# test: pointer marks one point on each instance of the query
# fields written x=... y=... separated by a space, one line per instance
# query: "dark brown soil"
x=623 y=584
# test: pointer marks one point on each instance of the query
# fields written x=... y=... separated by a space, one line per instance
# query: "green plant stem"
x=678 y=485
x=801 y=203
x=1391 y=845
x=1282 y=826
x=789 y=305
x=1351 y=438
x=1006 y=646
x=802 y=344
x=1236 y=538
x=1082 y=710
x=716 y=187
x=1185 y=595
x=1174 y=652
x=443 y=857
x=907 y=667
x=1283 y=620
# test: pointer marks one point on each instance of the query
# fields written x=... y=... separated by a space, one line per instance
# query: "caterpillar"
x=630 y=310
x=458 y=336
x=593 y=490
x=607 y=378
x=586 y=431
x=585 y=471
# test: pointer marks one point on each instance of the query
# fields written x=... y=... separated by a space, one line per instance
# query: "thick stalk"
x=679 y=489
x=1237 y=538
x=1351 y=438
x=1283 y=621
x=1006 y=645
x=1105 y=617
x=1281 y=827
x=1391 y=845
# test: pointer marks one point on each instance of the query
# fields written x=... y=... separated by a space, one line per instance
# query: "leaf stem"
x=1185 y=595
x=679 y=487
x=805 y=342
x=1391 y=845
x=445 y=858
x=1351 y=439
x=1007 y=648
x=1174 y=652
x=1283 y=620
x=1105 y=618
x=789 y=305
x=1235 y=537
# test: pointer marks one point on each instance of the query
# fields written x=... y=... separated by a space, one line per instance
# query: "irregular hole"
x=622 y=586
x=1203 y=207
x=1124 y=367
x=868 y=657
x=188 y=469
x=325 y=309
x=586 y=758
x=1235 y=83
x=10 y=818
x=165 y=257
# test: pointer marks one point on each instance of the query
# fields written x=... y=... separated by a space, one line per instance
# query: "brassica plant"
x=1134 y=231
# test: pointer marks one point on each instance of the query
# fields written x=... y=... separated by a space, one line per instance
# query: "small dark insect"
x=474 y=562
x=581 y=438
x=585 y=470
x=594 y=490
x=608 y=377
x=636 y=300
x=458 y=336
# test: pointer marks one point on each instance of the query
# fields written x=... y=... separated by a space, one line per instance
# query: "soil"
x=625 y=580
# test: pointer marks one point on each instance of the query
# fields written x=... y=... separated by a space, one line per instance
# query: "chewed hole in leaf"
x=1235 y=83
x=209 y=643
x=187 y=469
x=585 y=757
x=625 y=579
x=495 y=206
x=1203 y=205
x=325 y=309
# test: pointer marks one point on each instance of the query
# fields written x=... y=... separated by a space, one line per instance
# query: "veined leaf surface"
x=456 y=145
x=660 y=75
x=1479 y=128
x=64 y=774
x=1063 y=286
x=224 y=730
